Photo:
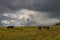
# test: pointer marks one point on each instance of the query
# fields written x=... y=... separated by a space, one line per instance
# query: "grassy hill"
x=30 y=33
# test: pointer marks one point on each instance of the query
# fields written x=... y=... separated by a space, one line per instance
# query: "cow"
x=10 y=27
x=46 y=27
x=39 y=27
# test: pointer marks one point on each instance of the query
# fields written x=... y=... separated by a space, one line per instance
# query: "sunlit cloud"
x=34 y=18
x=5 y=22
x=10 y=15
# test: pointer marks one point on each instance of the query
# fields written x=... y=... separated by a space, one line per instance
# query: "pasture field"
x=30 y=33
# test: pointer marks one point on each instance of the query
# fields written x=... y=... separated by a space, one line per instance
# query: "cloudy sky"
x=40 y=12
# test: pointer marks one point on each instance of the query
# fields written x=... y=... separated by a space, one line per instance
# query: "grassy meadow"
x=30 y=33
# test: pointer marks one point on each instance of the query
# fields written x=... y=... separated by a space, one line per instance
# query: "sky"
x=39 y=12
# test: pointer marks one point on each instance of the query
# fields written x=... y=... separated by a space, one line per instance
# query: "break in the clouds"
x=39 y=12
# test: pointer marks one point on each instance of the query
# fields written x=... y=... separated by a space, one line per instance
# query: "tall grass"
x=30 y=33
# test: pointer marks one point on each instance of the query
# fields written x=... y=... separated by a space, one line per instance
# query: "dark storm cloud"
x=39 y=5
x=33 y=4
x=51 y=6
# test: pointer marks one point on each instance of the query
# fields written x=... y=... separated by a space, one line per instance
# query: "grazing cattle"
x=57 y=23
x=39 y=27
x=10 y=27
x=46 y=27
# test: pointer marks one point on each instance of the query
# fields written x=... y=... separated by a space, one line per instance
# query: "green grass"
x=30 y=33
